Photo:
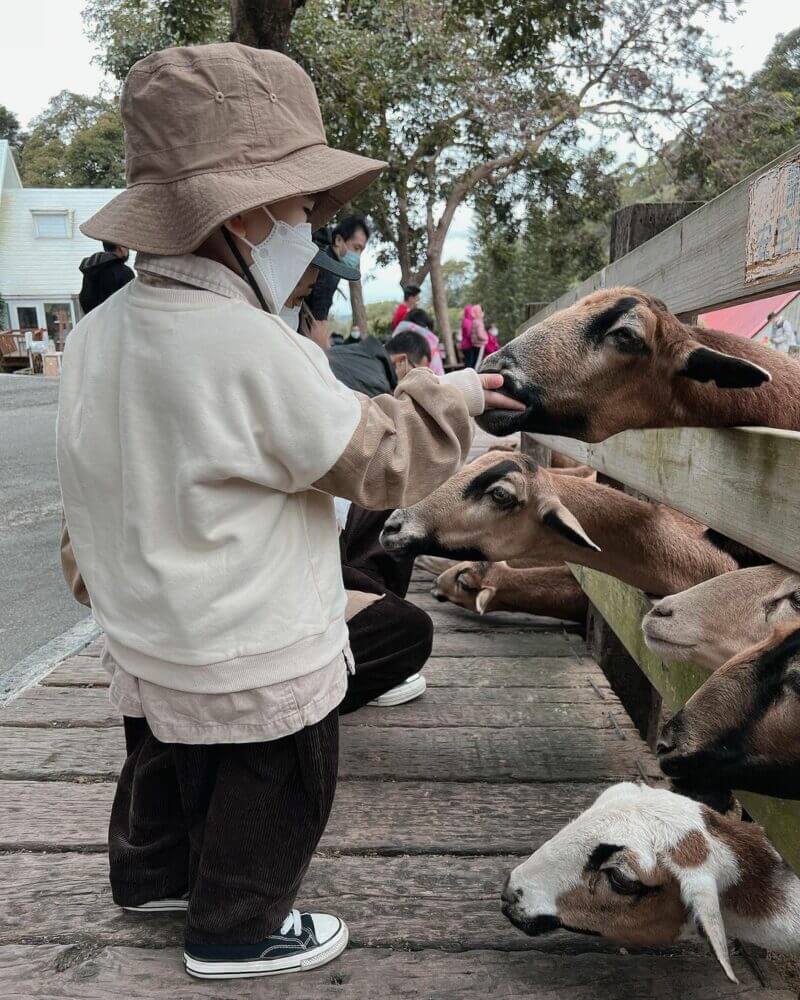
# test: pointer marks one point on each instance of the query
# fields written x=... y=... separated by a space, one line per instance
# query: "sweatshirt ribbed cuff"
x=467 y=381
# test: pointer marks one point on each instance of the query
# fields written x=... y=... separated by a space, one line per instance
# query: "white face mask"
x=291 y=317
x=280 y=260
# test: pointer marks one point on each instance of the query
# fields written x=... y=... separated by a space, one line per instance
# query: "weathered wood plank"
x=497 y=707
x=440 y=671
x=408 y=902
x=518 y=643
x=733 y=480
x=84 y=973
x=623 y=607
x=396 y=817
x=457 y=754
x=697 y=264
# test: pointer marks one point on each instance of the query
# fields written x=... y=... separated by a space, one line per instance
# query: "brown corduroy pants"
x=234 y=824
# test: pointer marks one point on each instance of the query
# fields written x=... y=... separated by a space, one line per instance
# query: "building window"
x=52 y=224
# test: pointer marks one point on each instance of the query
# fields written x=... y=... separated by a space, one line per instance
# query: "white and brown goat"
x=483 y=587
x=502 y=506
x=646 y=867
x=619 y=360
x=740 y=729
x=720 y=618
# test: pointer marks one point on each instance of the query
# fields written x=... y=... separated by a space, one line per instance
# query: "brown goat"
x=740 y=729
x=551 y=591
x=504 y=507
x=618 y=360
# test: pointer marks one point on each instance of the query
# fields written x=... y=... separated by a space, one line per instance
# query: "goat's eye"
x=792 y=681
x=794 y=599
x=502 y=497
x=621 y=884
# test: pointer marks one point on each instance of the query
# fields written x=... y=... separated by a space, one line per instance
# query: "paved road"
x=35 y=605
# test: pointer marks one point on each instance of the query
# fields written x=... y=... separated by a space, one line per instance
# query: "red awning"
x=747 y=319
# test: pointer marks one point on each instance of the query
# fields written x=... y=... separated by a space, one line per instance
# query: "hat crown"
x=216 y=107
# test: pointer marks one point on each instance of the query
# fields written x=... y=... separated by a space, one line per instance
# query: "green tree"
x=751 y=125
x=128 y=30
x=562 y=237
x=462 y=102
x=9 y=126
x=77 y=141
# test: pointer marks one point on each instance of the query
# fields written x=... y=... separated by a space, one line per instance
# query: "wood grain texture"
x=404 y=902
x=457 y=754
x=51 y=707
x=623 y=607
x=696 y=264
x=414 y=817
x=78 y=972
x=739 y=481
x=440 y=671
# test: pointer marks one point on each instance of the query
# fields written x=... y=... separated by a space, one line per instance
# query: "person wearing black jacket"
x=103 y=274
x=346 y=243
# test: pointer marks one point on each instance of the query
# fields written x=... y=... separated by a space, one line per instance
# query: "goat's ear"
x=434 y=564
x=556 y=516
x=484 y=597
x=706 y=365
x=699 y=892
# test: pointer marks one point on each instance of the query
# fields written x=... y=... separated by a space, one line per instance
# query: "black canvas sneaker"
x=305 y=941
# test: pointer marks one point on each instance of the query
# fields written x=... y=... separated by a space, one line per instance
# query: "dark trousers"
x=236 y=824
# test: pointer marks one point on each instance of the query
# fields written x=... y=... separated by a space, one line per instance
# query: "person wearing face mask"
x=200 y=443
x=345 y=243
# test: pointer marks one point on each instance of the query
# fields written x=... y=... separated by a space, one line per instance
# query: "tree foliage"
x=561 y=237
x=128 y=30
x=749 y=126
x=9 y=126
x=77 y=141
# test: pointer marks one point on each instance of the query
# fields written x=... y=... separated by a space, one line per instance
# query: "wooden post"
x=636 y=224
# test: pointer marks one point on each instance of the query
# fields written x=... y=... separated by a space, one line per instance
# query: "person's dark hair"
x=420 y=317
x=410 y=343
x=110 y=247
x=349 y=225
x=409 y=291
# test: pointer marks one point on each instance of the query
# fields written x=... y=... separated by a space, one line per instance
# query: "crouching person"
x=200 y=444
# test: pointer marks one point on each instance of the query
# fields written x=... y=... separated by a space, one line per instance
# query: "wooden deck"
x=437 y=800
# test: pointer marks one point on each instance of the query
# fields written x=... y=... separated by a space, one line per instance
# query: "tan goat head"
x=495 y=496
x=618 y=359
x=720 y=618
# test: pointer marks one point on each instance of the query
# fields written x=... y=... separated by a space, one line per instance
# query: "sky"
x=43 y=50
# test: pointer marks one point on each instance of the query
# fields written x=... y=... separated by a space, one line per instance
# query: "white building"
x=41 y=247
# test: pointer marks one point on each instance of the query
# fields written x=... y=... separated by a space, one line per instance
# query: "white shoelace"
x=292 y=921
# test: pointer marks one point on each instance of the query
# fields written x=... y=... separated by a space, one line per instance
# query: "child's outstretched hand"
x=496 y=400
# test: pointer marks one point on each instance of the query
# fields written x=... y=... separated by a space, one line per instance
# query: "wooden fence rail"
x=744 y=482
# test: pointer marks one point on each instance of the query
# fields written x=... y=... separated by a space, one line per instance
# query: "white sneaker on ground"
x=411 y=688
x=170 y=905
x=304 y=941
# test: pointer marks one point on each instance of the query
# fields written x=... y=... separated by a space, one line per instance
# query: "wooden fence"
x=745 y=482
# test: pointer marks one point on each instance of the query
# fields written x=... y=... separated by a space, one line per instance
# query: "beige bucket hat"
x=214 y=130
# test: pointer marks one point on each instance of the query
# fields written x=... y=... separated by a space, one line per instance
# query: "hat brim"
x=327 y=262
x=174 y=218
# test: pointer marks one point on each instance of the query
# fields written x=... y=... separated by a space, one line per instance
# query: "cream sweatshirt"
x=196 y=435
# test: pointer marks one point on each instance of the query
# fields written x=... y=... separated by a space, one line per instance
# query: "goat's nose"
x=661 y=610
x=508 y=894
x=393 y=524
x=667 y=739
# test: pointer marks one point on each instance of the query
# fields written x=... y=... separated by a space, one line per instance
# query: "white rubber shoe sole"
x=313 y=959
x=411 y=688
x=160 y=906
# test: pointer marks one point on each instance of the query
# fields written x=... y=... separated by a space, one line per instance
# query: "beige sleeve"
x=408 y=444
x=70 y=568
